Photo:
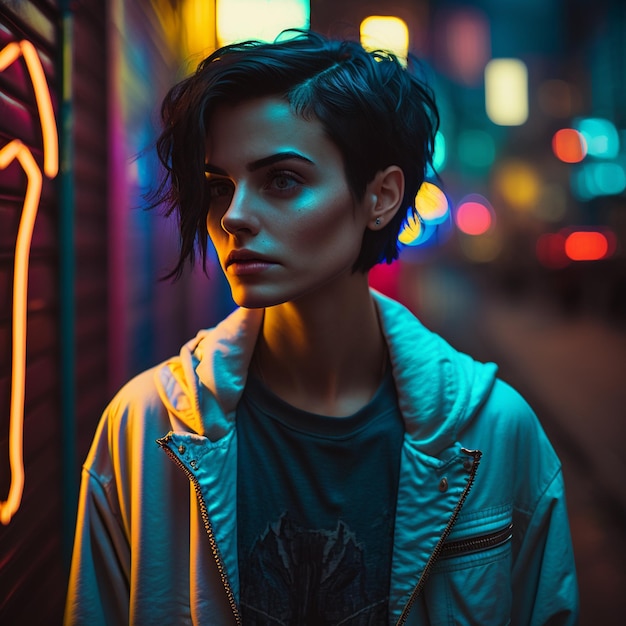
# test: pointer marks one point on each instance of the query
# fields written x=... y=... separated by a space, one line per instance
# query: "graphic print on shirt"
x=297 y=576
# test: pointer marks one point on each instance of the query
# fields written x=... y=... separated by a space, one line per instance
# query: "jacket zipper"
x=477 y=544
x=476 y=454
x=209 y=529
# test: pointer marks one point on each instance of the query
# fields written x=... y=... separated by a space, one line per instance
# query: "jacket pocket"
x=478 y=543
x=471 y=581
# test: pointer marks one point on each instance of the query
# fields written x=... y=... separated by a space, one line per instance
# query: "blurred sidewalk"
x=572 y=370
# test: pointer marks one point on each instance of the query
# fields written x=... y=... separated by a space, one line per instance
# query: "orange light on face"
x=586 y=246
x=16 y=150
x=569 y=145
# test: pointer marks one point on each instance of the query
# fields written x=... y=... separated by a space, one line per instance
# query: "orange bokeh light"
x=586 y=246
x=569 y=145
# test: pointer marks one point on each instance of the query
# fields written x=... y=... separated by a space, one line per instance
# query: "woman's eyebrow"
x=213 y=169
x=275 y=158
x=209 y=168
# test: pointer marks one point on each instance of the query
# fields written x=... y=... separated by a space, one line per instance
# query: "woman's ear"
x=385 y=192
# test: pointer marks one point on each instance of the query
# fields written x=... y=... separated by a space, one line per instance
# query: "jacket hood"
x=439 y=389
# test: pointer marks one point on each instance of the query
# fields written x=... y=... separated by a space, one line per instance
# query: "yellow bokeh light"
x=263 y=20
x=506 y=91
x=411 y=231
x=519 y=185
x=199 y=27
x=431 y=203
x=384 y=32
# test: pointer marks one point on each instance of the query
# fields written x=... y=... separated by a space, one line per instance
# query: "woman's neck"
x=325 y=354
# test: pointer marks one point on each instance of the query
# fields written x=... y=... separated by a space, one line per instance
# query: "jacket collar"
x=439 y=389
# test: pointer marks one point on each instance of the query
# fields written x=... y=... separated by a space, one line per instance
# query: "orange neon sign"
x=16 y=150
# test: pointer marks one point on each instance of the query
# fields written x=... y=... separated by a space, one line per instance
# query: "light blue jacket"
x=481 y=532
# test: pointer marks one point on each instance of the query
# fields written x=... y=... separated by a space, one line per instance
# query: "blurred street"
x=572 y=370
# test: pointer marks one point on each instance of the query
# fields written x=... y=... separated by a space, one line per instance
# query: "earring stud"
x=378 y=220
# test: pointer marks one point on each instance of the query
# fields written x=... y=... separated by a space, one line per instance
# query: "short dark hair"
x=375 y=110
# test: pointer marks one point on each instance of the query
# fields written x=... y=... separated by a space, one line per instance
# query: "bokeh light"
x=506 y=91
x=474 y=215
x=569 y=145
x=412 y=230
x=586 y=246
x=557 y=250
x=264 y=20
x=476 y=149
x=431 y=203
x=603 y=178
x=385 y=32
x=467 y=43
x=519 y=184
x=440 y=152
x=601 y=136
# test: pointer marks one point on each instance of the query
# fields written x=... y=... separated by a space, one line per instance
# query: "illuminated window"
x=506 y=91
x=380 y=32
x=16 y=150
x=264 y=20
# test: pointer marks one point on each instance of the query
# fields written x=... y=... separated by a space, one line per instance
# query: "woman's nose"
x=242 y=213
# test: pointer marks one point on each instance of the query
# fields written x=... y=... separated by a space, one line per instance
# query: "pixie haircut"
x=376 y=111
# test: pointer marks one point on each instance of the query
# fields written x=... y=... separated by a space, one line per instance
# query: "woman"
x=318 y=457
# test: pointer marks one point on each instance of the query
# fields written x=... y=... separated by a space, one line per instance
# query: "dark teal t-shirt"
x=316 y=501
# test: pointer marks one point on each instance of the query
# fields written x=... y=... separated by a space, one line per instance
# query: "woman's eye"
x=284 y=181
x=220 y=189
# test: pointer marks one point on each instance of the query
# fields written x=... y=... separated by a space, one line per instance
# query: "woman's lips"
x=247 y=262
x=248 y=268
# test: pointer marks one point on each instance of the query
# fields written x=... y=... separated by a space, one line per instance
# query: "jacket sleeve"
x=545 y=589
x=98 y=590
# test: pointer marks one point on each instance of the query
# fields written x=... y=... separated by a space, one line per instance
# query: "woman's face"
x=281 y=215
